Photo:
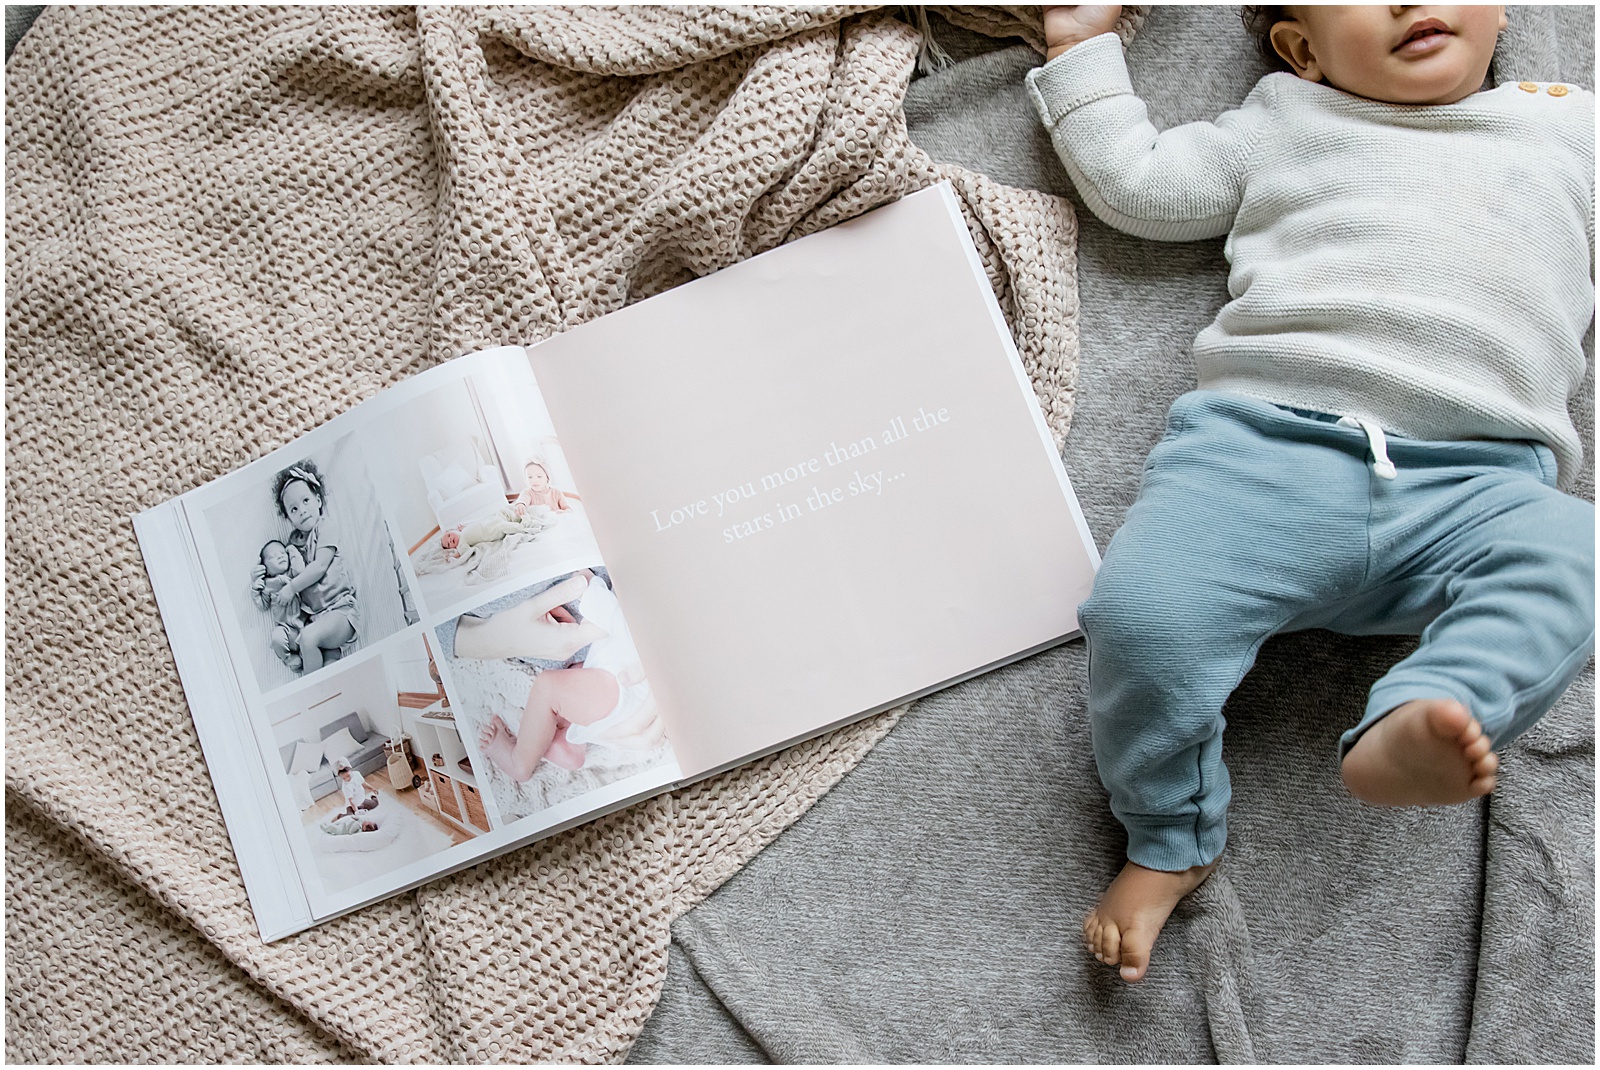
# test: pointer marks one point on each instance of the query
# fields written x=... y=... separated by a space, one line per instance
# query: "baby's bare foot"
x=1427 y=752
x=500 y=747
x=491 y=732
x=1123 y=926
x=565 y=753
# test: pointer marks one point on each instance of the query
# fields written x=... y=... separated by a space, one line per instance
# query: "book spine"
x=238 y=774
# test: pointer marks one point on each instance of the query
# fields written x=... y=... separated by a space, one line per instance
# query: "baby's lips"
x=1423 y=31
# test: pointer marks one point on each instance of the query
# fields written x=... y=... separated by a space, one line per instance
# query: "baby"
x=347 y=824
x=540 y=492
x=458 y=540
x=357 y=796
x=606 y=699
x=1382 y=421
x=280 y=564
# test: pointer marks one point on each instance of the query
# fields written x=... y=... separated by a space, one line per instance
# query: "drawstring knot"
x=1381 y=465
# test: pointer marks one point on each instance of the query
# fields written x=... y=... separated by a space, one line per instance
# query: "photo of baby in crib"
x=550 y=690
x=473 y=474
x=304 y=556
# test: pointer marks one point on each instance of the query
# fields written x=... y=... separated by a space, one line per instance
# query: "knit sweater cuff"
x=1081 y=75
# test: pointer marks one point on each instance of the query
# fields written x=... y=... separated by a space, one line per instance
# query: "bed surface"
x=927 y=908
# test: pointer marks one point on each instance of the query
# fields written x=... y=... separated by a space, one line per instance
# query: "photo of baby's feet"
x=500 y=747
x=565 y=753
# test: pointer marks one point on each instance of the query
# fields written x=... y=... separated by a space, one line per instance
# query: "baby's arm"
x=310 y=575
x=1181 y=184
x=297 y=560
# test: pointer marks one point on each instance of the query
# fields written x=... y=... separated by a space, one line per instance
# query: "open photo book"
x=531 y=586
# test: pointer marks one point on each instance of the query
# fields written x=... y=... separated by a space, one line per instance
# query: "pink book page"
x=820 y=482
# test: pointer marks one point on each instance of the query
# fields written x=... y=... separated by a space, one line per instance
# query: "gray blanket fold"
x=928 y=908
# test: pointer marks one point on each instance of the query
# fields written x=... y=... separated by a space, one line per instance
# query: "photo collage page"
x=425 y=636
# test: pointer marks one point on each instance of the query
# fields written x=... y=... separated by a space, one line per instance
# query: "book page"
x=821 y=480
x=408 y=630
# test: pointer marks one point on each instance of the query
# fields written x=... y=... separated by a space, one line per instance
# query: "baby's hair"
x=1259 y=19
x=306 y=472
x=267 y=546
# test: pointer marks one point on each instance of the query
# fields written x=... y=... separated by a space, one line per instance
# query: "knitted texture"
x=226 y=226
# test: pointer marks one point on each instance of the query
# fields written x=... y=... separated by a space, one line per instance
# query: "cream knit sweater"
x=1425 y=268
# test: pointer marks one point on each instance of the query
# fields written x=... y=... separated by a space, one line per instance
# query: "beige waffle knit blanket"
x=225 y=226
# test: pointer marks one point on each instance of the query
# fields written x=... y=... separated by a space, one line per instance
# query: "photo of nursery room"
x=305 y=559
x=550 y=694
x=474 y=477
x=376 y=767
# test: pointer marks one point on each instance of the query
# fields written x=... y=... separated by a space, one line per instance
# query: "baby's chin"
x=1416 y=93
x=1445 y=84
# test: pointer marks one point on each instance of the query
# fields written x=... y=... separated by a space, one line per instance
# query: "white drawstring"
x=1381 y=465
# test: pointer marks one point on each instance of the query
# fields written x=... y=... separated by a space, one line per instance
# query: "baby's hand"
x=521 y=509
x=1073 y=24
x=258 y=578
x=282 y=596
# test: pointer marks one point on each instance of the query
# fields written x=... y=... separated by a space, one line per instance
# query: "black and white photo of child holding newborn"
x=298 y=548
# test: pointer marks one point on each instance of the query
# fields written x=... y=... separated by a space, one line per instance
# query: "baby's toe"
x=1091 y=935
x=1135 y=956
x=1450 y=720
x=1486 y=764
x=1476 y=748
x=1110 y=942
x=1483 y=773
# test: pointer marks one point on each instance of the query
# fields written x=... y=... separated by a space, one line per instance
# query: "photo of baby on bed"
x=356 y=751
x=475 y=479
x=549 y=691
x=308 y=565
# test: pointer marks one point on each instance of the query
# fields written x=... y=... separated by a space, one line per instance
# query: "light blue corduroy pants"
x=1254 y=520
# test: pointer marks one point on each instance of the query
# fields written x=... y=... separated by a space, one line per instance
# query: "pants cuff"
x=1174 y=843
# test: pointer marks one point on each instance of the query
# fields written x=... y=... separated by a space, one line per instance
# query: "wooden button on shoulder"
x=1557 y=90
x=1527 y=87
